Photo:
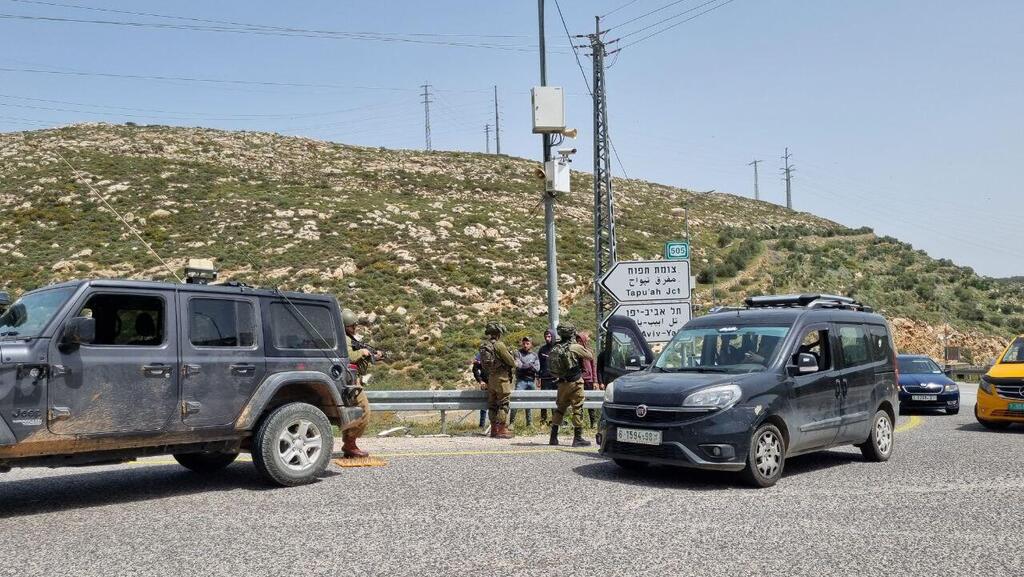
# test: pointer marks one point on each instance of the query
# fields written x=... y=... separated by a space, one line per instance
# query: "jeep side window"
x=292 y=328
x=126 y=320
x=221 y=323
x=816 y=343
x=854 y=344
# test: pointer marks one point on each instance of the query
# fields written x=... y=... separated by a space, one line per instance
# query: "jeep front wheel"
x=293 y=444
x=205 y=462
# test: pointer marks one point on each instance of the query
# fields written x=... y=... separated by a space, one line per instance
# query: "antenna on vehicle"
x=118 y=215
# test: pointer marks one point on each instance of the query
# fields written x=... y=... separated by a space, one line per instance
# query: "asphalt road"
x=950 y=502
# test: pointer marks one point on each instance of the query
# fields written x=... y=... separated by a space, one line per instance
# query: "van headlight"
x=609 y=393
x=986 y=386
x=718 y=397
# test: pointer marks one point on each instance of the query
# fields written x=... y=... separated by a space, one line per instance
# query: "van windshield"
x=27 y=317
x=1015 y=354
x=722 y=349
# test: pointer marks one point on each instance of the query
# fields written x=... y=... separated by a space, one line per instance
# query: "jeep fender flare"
x=271 y=385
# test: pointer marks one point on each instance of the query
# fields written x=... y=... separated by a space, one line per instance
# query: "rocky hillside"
x=430 y=245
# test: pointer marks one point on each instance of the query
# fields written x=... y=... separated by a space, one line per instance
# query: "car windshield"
x=918 y=367
x=1015 y=354
x=722 y=349
x=31 y=313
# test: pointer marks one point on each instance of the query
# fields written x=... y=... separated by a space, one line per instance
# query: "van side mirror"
x=634 y=364
x=79 y=331
x=806 y=363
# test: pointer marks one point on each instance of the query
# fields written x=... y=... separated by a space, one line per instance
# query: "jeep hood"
x=669 y=389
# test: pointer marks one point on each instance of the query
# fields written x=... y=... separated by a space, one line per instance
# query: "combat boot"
x=350 y=451
x=503 y=432
x=554 y=435
x=577 y=438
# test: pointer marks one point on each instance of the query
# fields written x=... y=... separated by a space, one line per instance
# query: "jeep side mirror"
x=78 y=331
x=806 y=363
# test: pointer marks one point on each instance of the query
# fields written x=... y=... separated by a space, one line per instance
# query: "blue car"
x=923 y=385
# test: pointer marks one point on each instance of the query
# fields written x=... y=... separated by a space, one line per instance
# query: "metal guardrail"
x=466 y=400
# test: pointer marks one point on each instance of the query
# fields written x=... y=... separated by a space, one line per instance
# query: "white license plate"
x=924 y=397
x=638 y=436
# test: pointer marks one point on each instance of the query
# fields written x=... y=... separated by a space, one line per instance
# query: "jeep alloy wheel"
x=293 y=444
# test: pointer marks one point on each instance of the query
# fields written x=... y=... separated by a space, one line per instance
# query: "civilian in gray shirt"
x=527 y=374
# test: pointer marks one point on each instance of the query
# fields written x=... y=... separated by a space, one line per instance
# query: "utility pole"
x=757 y=193
x=788 y=171
x=497 y=124
x=487 y=137
x=604 y=199
x=549 y=200
x=426 y=113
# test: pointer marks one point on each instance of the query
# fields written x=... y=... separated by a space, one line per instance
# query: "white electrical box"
x=548 y=109
x=556 y=176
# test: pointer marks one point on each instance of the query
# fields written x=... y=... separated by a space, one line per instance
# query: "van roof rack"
x=806 y=300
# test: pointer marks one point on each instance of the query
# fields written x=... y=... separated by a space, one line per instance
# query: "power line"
x=667 y=28
x=646 y=14
x=627 y=4
x=259 y=30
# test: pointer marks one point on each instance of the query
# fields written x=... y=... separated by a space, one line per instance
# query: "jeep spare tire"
x=205 y=462
x=293 y=444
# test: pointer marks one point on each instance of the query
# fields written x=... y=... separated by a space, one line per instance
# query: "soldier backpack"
x=489 y=360
x=563 y=364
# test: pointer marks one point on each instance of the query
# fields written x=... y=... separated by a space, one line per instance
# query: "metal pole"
x=426 y=114
x=497 y=123
x=487 y=138
x=549 y=201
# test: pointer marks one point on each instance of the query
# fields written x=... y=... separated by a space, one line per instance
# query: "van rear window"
x=302 y=326
x=880 y=343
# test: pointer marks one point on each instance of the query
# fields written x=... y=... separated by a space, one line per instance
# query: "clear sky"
x=905 y=116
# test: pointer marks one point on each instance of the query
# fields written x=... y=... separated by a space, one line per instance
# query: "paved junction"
x=949 y=503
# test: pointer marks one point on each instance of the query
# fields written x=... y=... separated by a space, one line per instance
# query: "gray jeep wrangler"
x=107 y=371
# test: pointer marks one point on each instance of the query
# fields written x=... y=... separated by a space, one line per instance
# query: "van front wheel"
x=766 y=457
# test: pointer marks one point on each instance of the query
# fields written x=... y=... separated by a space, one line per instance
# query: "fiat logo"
x=641 y=411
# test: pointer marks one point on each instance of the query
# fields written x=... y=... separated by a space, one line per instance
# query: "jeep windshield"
x=727 y=349
x=27 y=317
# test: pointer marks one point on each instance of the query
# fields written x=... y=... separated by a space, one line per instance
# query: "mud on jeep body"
x=107 y=371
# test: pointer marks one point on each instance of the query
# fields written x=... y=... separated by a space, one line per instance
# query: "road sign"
x=677 y=250
x=648 y=280
x=658 y=322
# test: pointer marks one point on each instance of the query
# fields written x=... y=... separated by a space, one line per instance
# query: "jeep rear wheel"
x=293 y=444
x=205 y=462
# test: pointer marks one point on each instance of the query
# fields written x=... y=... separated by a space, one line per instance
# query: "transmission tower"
x=787 y=171
x=426 y=113
x=487 y=138
x=757 y=193
x=604 y=199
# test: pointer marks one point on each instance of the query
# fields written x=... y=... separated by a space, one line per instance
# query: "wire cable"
x=607 y=14
x=667 y=28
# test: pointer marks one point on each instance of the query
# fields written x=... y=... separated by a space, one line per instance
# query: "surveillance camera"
x=566 y=151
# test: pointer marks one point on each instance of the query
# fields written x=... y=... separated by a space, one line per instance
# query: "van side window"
x=221 y=323
x=854 y=344
x=881 y=346
x=126 y=320
x=292 y=326
x=816 y=343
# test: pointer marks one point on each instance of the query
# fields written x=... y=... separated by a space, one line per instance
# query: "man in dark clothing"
x=480 y=376
x=547 y=381
x=527 y=367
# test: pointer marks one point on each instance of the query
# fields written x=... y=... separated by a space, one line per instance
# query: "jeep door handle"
x=156 y=370
x=188 y=370
x=243 y=370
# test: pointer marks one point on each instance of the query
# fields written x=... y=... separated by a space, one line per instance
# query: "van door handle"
x=846 y=387
x=242 y=369
x=156 y=370
x=839 y=388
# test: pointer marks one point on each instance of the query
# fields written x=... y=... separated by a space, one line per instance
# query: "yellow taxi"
x=1001 y=393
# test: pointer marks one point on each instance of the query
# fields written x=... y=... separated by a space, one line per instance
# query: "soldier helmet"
x=494 y=328
x=349 y=317
x=566 y=331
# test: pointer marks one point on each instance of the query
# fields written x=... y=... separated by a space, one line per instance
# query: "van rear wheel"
x=766 y=457
x=879 y=445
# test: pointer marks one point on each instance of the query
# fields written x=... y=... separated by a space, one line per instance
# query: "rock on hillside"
x=431 y=244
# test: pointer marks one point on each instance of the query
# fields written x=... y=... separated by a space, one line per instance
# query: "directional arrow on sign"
x=648 y=280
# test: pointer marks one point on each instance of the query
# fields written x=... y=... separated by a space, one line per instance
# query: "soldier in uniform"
x=498 y=362
x=568 y=357
x=362 y=357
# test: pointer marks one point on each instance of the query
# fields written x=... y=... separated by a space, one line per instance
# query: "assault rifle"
x=375 y=353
